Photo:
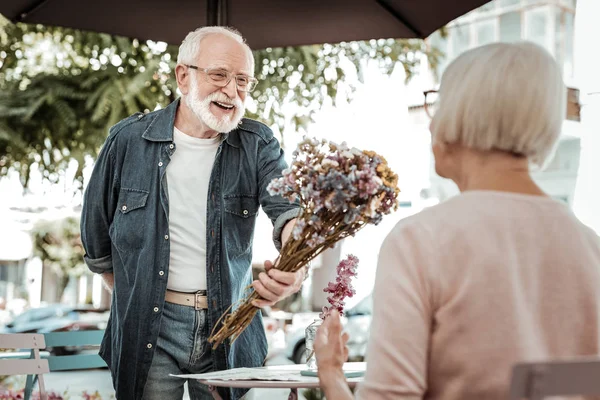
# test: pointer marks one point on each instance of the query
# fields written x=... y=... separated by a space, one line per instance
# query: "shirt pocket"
x=129 y=224
x=240 y=218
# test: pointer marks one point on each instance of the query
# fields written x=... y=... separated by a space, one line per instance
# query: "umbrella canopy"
x=264 y=23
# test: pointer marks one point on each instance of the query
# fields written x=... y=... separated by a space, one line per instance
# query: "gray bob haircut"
x=190 y=47
x=503 y=96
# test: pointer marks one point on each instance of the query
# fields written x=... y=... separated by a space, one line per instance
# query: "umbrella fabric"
x=264 y=23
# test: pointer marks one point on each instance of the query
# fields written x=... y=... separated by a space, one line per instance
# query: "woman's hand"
x=330 y=344
x=331 y=352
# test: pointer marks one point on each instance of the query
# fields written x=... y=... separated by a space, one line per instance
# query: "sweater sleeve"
x=402 y=313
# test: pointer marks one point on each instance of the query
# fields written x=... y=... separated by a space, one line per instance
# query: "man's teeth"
x=228 y=106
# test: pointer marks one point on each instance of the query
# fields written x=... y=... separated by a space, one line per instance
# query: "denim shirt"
x=125 y=230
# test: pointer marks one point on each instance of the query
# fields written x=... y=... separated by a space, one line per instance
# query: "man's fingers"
x=271 y=284
x=264 y=292
x=268 y=264
x=288 y=278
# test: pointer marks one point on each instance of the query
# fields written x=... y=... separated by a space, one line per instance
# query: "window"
x=505 y=3
x=487 y=6
x=438 y=42
x=460 y=39
x=486 y=32
x=559 y=37
x=569 y=39
x=569 y=3
x=510 y=27
x=537 y=26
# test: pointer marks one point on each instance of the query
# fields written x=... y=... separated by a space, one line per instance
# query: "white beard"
x=201 y=108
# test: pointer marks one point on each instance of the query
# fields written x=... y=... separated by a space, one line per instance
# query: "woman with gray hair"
x=499 y=274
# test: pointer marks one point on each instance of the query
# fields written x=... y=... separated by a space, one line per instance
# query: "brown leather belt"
x=197 y=300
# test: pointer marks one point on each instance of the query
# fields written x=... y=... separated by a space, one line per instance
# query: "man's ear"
x=183 y=78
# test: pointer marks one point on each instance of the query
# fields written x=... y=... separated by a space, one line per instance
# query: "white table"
x=278 y=376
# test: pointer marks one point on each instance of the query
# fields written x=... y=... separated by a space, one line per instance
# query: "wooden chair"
x=576 y=377
x=15 y=365
x=70 y=362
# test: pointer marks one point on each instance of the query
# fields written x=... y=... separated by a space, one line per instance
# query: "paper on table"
x=252 y=374
x=289 y=373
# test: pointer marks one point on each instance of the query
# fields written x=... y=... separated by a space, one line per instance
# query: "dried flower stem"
x=293 y=257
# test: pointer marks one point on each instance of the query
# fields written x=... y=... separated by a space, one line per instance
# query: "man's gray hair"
x=190 y=47
x=503 y=96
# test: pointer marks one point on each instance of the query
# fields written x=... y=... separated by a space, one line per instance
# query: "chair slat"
x=75 y=338
x=78 y=361
x=22 y=341
x=23 y=367
x=577 y=377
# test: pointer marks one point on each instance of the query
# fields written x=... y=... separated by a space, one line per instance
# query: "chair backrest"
x=32 y=366
x=576 y=377
x=23 y=341
x=74 y=339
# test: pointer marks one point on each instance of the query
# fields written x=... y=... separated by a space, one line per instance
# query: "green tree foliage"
x=58 y=244
x=61 y=89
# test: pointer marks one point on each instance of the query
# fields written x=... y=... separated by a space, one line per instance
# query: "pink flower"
x=342 y=287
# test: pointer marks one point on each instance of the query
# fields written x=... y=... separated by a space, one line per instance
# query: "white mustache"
x=223 y=98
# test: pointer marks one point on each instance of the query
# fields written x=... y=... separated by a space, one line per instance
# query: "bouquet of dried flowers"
x=340 y=191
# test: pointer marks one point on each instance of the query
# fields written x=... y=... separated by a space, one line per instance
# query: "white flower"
x=347 y=154
x=328 y=161
x=356 y=151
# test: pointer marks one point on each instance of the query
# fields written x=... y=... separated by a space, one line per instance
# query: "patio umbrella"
x=264 y=23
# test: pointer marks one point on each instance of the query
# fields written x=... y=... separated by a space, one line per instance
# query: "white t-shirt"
x=188 y=176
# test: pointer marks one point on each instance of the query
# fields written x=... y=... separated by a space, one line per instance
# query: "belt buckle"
x=197 y=296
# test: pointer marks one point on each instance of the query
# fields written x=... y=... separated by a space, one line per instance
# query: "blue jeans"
x=182 y=348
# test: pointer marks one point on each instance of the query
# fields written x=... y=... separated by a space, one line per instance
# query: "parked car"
x=356 y=321
x=57 y=318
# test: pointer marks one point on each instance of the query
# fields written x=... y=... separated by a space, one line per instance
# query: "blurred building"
x=549 y=23
x=15 y=251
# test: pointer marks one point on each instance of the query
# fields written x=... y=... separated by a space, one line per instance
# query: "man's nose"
x=231 y=89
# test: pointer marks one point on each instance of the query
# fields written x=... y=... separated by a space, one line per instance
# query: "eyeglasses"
x=431 y=102
x=220 y=77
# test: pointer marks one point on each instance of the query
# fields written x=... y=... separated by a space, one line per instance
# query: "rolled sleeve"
x=99 y=265
x=271 y=163
x=280 y=223
x=97 y=212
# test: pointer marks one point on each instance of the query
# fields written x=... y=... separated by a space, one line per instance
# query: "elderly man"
x=168 y=220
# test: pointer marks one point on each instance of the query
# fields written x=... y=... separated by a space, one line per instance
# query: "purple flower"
x=342 y=287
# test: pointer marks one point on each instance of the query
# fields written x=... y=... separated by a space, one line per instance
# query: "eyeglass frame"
x=251 y=79
x=426 y=105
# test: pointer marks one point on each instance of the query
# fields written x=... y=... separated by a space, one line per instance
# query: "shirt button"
x=124 y=208
x=212 y=268
x=161 y=273
x=166 y=237
x=155 y=309
x=160 y=164
x=245 y=212
x=214 y=303
x=149 y=345
x=171 y=146
x=212 y=233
